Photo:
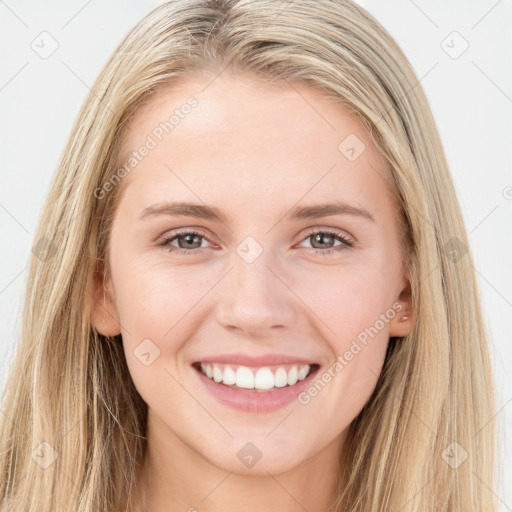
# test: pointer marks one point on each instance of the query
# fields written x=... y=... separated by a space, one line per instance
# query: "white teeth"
x=293 y=376
x=303 y=372
x=263 y=380
x=217 y=374
x=229 y=376
x=281 y=378
x=244 y=377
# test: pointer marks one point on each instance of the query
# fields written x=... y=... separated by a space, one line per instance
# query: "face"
x=258 y=276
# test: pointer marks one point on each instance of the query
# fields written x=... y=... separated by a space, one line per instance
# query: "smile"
x=265 y=378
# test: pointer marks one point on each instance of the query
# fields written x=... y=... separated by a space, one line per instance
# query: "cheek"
x=341 y=392
x=151 y=292
x=157 y=314
x=344 y=386
x=355 y=312
x=348 y=301
x=159 y=303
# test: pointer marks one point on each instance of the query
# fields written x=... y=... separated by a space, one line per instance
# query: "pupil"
x=320 y=237
x=189 y=239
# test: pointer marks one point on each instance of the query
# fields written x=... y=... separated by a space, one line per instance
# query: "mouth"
x=262 y=379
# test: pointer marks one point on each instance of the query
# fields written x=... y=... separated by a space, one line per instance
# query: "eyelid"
x=333 y=231
x=181 y=231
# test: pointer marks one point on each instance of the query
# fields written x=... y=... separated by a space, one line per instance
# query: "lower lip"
x=254 y=401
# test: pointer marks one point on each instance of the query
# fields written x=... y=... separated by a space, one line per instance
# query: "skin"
x=242 y=143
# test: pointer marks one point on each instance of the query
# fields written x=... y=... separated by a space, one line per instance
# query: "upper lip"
x=261 y=360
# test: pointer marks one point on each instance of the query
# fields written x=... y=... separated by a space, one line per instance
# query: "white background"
x=471 y=97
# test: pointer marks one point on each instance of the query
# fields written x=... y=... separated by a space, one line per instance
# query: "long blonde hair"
x=73 y=430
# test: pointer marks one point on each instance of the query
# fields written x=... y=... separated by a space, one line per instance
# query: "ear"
x=398 y=326
x=104 y=316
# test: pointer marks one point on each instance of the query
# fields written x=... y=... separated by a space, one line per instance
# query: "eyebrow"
x=201 y=211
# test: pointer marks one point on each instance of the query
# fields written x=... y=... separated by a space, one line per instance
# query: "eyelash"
x=166 y=240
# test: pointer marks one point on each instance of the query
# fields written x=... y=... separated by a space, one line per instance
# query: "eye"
x=324 y=237
x=189 y=242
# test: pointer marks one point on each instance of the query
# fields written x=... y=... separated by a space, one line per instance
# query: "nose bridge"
x=253 y=297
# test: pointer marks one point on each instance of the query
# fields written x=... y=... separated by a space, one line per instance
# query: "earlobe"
x=403 y=321
x=104 y=317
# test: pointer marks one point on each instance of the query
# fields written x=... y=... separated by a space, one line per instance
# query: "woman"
x=251 y=284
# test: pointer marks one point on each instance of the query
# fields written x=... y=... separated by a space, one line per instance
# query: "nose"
x=254 y=298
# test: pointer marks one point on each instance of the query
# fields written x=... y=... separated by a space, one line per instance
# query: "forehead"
x=229 y=103
x=240 y=134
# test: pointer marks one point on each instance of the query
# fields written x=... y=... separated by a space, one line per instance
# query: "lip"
x=262 y=360
x=254 y=401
